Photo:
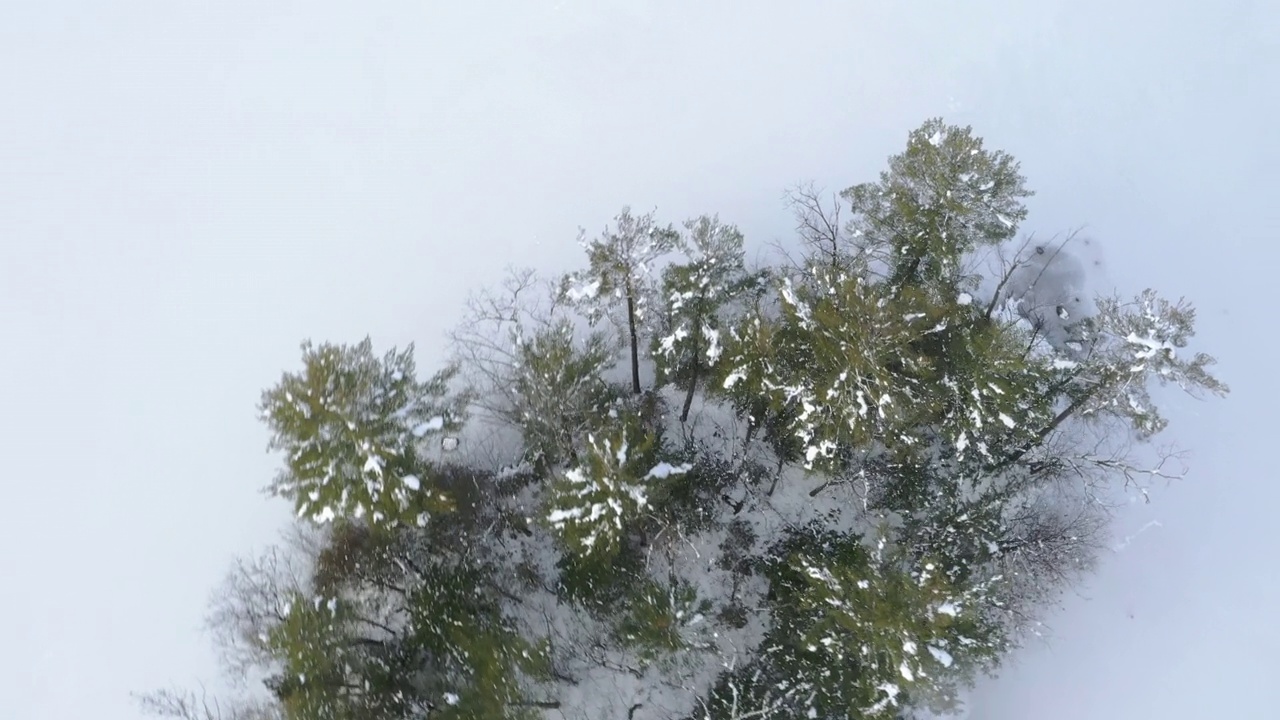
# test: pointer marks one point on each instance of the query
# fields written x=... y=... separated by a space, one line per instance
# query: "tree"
x=620 y=266
x=590 y=505
x=897 y=458
x=350 y=425
x=698 y=293
x=938 y=201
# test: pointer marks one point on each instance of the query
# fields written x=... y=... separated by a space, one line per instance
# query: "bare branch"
x=1008 y=273
x=189 y=705
x=817 y=224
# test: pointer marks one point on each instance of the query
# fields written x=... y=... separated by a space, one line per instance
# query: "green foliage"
x=1130 y=343
x=839 y=364
x=691 y=500
x=351 y=426
x=559 y=390
x=474 y=657
x=454 y=650
x=659 y=619
x=590 y=504
x=314 y=647
x=738 y=558
x=939 y=200
x=600 y=583
x=355 y=554
x=988 y=394
x=861 y=627
x=697 y=294
x=758 y=349
x=618 y=281
x=619 y=267
x=756 y=689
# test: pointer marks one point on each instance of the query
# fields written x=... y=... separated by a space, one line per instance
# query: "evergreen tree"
x=938 y=201
x=697 y=295
x=558 y=391
x=620 y=272
x=352 y=427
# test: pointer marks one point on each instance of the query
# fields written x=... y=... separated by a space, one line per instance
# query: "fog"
x=190 y=189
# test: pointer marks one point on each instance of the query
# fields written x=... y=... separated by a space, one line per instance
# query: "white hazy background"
x=189 y=189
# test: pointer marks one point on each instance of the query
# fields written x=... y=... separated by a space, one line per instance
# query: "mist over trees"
x=673 y=486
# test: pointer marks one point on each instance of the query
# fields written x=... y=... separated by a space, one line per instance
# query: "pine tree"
x=591 y=504
x=938 y=201
x=352 y=426
x=620 y=272
x=558 y=391
x=697 y=295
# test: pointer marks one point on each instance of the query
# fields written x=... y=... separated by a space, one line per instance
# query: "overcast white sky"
x=190 y=188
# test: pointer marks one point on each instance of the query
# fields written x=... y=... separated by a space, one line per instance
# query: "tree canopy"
x=847 y=490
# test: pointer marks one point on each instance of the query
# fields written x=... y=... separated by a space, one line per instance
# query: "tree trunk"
x=693 y=375
x=635 y=349
x=906 y=274
x=688 y=397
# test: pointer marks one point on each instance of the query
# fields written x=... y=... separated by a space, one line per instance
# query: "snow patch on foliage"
x=942 y=656
x=432 y=425
x=586 y=291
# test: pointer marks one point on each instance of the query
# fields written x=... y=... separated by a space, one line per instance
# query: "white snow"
x=714 y=350
x=558 y=517
x=733 y=378
x=435 y=423
x=666 y=469
x=940 y=655
x=585 y=292
x=411 y=482
x=891 y=698
x=1152 y=346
